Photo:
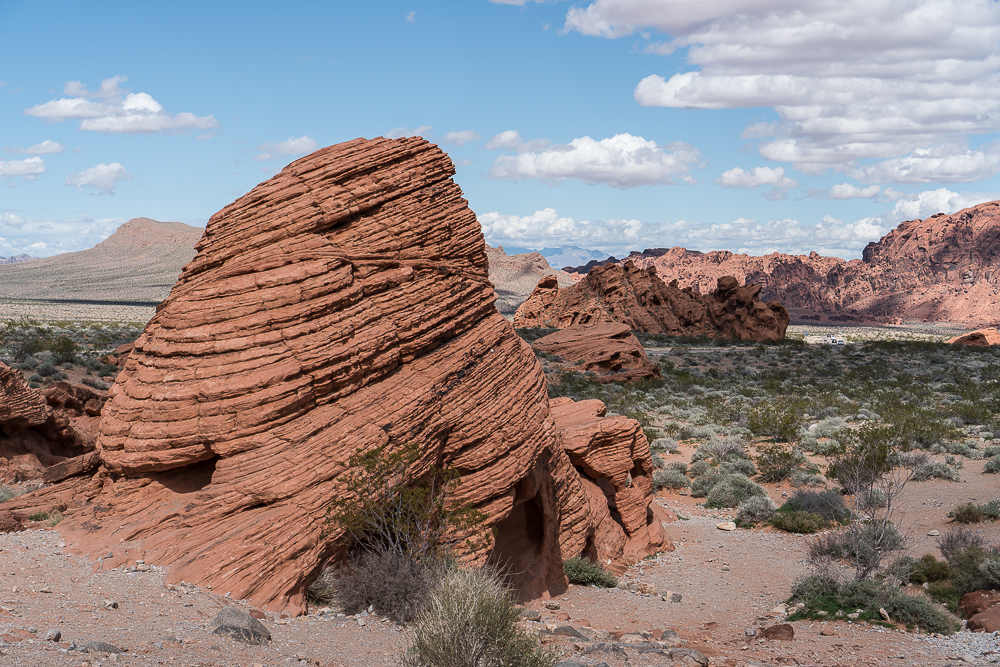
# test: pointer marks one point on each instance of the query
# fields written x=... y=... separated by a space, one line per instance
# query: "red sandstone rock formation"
x=638 y=298
x=340 y=306
x=515 y=276
x=610 y=350
x=944 y=268
x=978 y=338
x=44 y=429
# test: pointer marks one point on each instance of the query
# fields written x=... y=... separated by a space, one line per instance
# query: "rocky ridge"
x=944 y=268
x=638 y=298
x=609 y=350
x=515 y=276
x=340 y=306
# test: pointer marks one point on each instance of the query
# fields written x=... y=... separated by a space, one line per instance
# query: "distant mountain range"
x=138 y=264
x=945 y=268
x=14 y=259
x=560 y=258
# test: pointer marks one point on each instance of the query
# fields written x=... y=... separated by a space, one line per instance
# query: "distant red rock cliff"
x=942 y=269
x=638 y=298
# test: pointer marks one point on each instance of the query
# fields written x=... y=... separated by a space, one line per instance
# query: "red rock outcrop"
x=976 y=602
x=978 y=338
x=515 y=276
x=43 y=429
x=638 y=298
x=340 y=306
x=610 y=350
x=944 y=268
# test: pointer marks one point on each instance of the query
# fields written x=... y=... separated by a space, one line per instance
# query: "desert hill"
x=515 y=276
x=137 y=264
x=945 y=268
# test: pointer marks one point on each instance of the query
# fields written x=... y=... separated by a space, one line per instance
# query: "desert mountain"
x=514 y=276
x=138 y=264
x=944 y=268
x=14 y=259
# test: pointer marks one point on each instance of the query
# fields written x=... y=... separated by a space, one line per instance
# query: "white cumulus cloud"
x=399 y=132
x=850 y=191
x=103 y=178
x=461 y=137
x=290 y=146
x=28 y=169
x=511 y=139
x=47 y=147
x=931 y=166
x=111 y=110
x=621 y=161
x=850 y=79
x=758 y=176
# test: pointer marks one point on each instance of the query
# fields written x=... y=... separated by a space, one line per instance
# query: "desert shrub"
x=828 y=504
x=927 y=569
x=992 y=466
x=754 y=510
x=703 y=484
x=94 y=382
x=831 y=545
x=802 y=478
x=384 y=510
x=397 y=586
x=959 y=539
x=665 y=444
x=699 y=468
x=823 y=592
x=678 y=465
x=828 y=428
x=8 y=492
x=35 y=379
x=798 y=522
x=658 y=463
x=935 y=470
x=731 y=490
x=46 y=370
x=470 y=620
x=583 y=572
x=776 y=420
x=742 y=466
x=966 y=575
x=720 y=449
x=777 y=462
x=968 y=513
x=991 y=510
x=323 y=589
x=991 y=451
x=670 y=479
x=874 y=498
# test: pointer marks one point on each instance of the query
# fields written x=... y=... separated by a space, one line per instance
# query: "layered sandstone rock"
x=43 y=429
x=978 y=338
x=944 y=268
x=638 y=298
x=342 y=305
x=610 y=350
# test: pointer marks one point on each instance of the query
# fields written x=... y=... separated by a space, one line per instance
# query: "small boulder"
x=646 y=588
x=569 y=631
x=531 y=615
x=726 y=525
x=688 y=657
x=8 y=523
x=986 y=621
x=977 y=602
x=238 y=624
x=884 y=614
x=53 y=635
x=782 y=631
x=101 y=647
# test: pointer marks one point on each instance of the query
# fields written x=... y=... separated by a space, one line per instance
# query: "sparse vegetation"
x=583 y=572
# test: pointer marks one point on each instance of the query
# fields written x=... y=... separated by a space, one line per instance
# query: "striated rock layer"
x=340 y=306
x=610 y=350
x=638 y=298
x=515 y=276
x=944 y=268
x=42 y=429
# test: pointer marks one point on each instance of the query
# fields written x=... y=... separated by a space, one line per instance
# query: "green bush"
x=968 y=513
x=966 y=575
x=935 y=470
x=679 y=466
x=992 y=466
x=670 y=479
x=875 y=498
x=798 y=522
x=742 y=466
x=957 y=540
x=8 y=492
x=777 y=462
x=829 y=504
x=583 y=572
x=658 y=463
x=929 y=569
x=754 y=510
x=733 y=489
x=990 y=569
x=470 y=620
x=776 y=420
x=991 y=510
x=823 y=593
x=699 y=468
x=702 y=485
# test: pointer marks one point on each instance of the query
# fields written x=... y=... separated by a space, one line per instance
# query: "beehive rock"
x=340 y=306
x=638 y=298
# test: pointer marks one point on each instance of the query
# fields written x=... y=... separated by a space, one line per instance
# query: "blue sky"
x=748 y=125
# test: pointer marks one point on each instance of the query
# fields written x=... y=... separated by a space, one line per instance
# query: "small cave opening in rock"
x=191 y=478
x=517 y=550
